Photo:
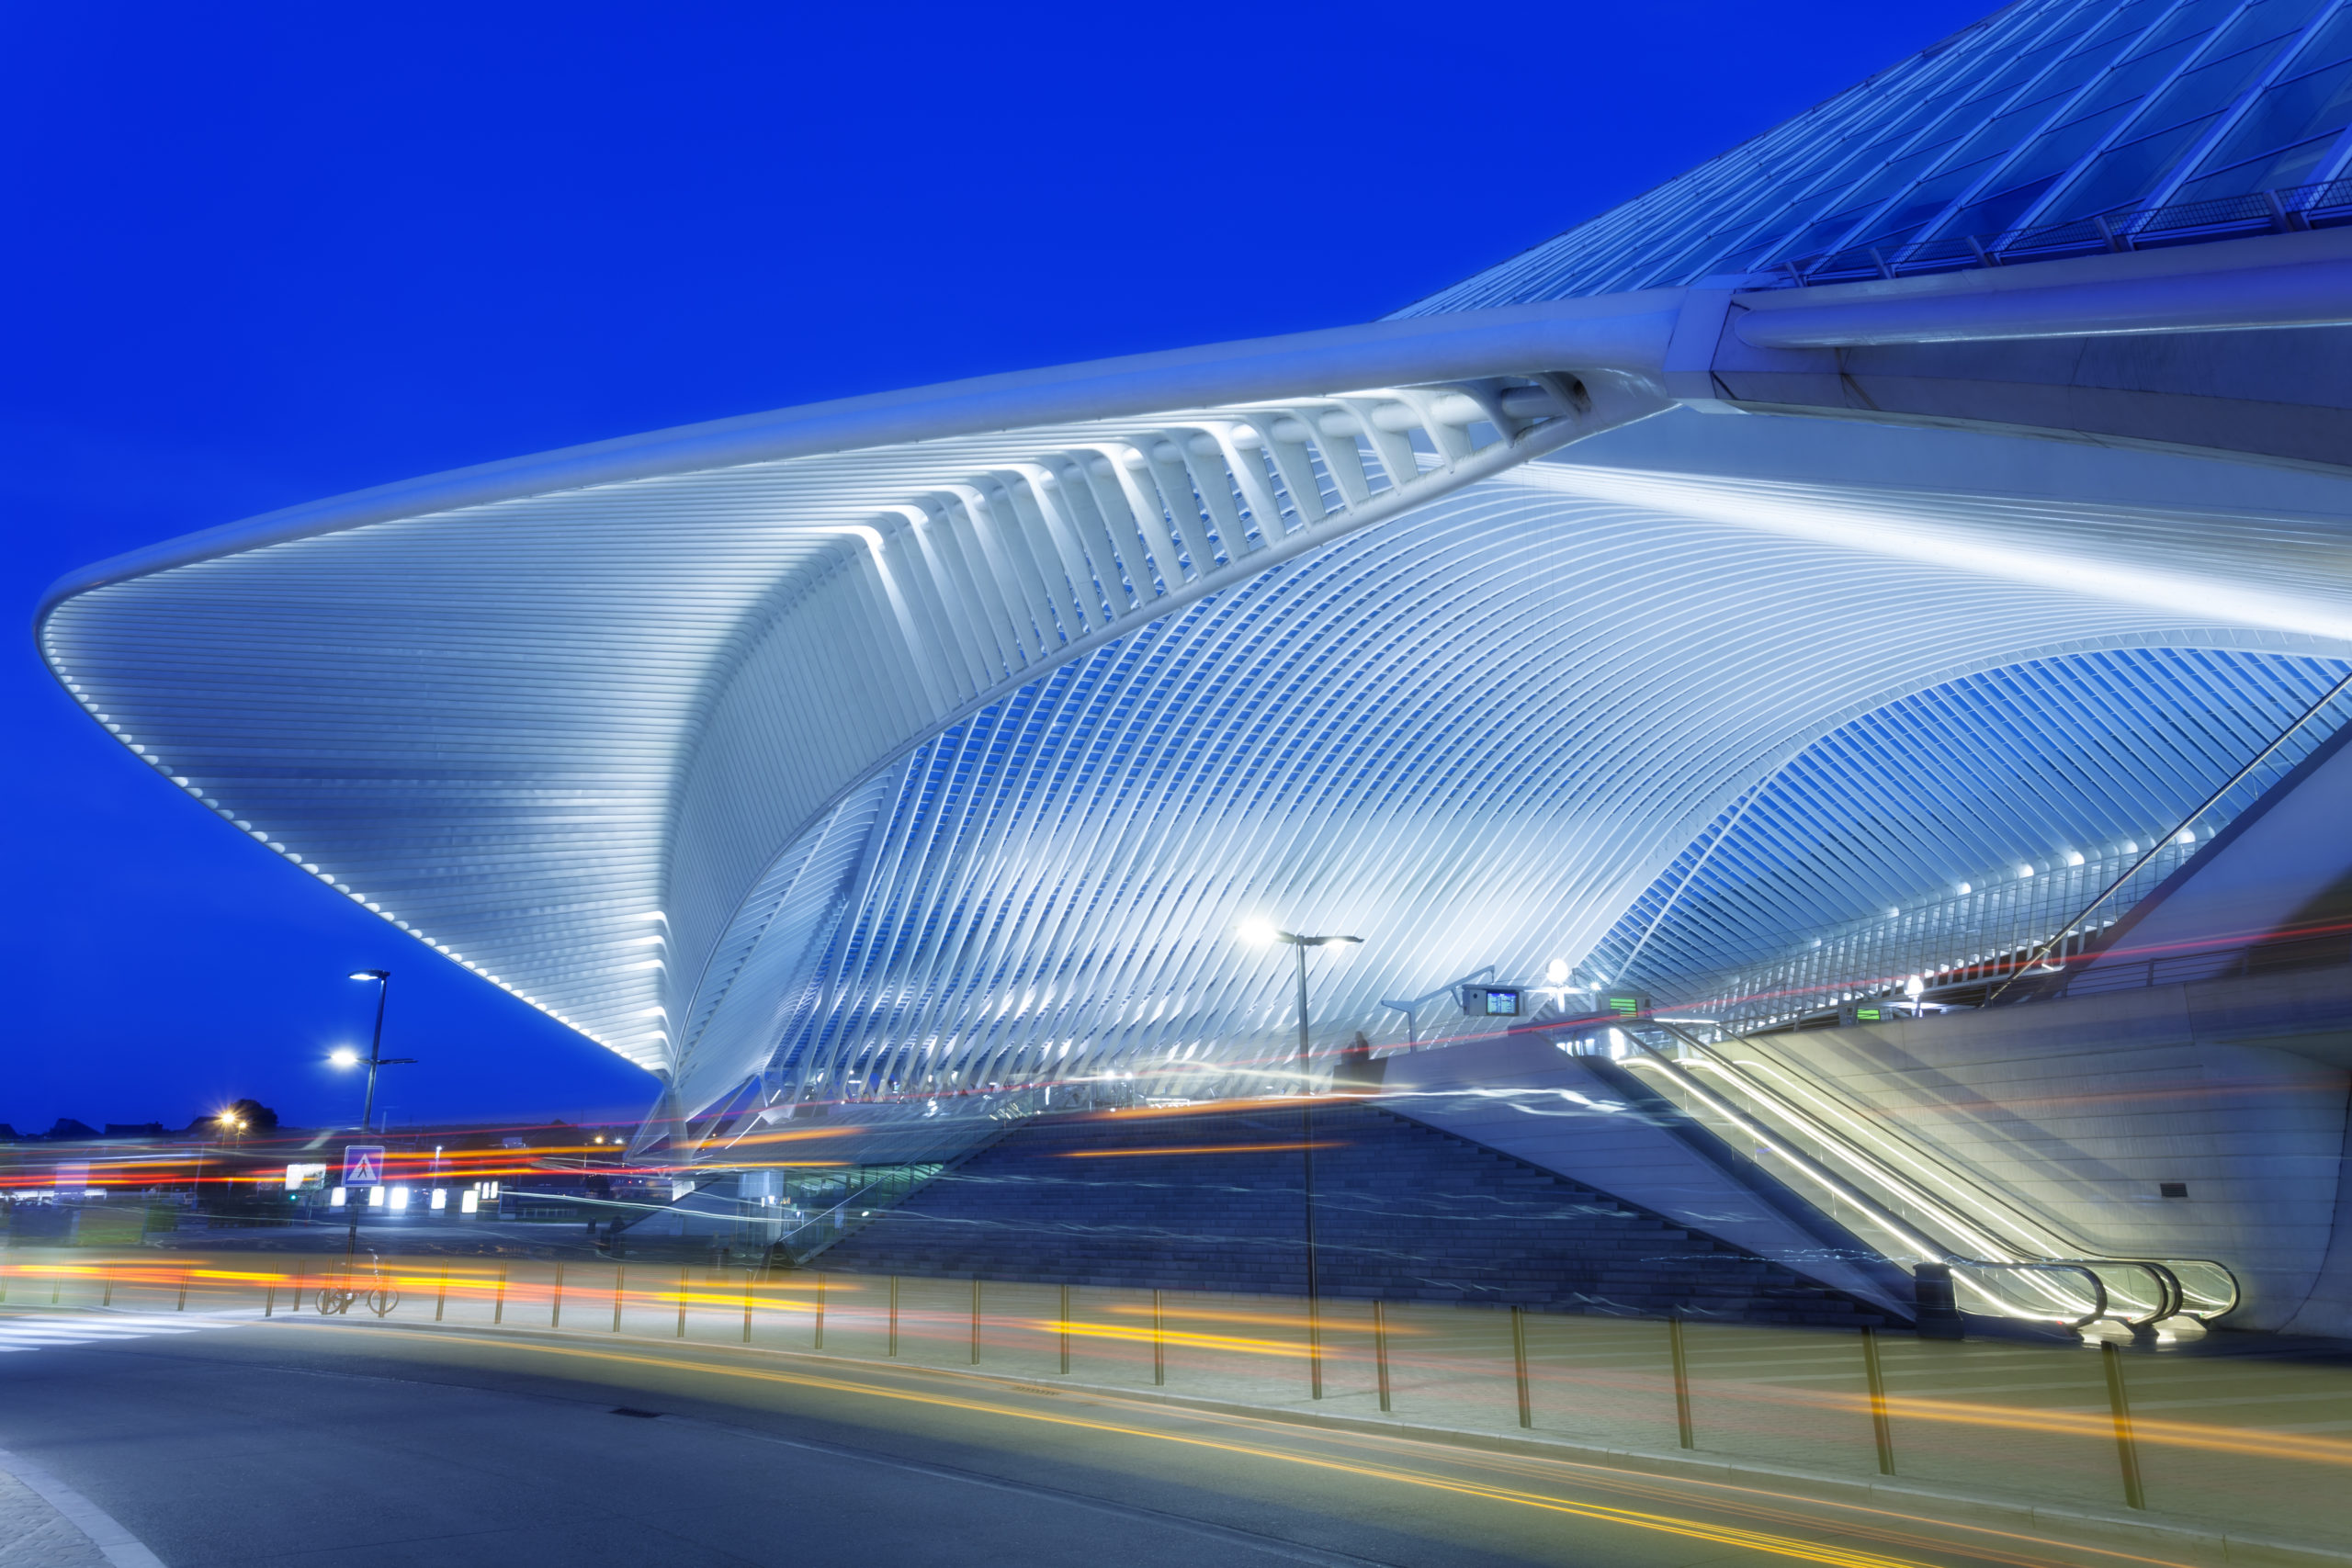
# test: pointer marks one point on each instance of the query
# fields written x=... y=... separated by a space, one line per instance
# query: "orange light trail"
x=1691 y=1530
x=417 y=1283
x=1206 y=1149
x=1269 y=1319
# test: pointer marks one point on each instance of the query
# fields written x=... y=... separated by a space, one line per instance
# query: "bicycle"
x=381 y=1298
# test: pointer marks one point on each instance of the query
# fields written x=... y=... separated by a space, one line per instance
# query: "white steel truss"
x=940 y=736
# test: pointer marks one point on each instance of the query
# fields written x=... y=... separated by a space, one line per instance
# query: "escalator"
x=2004 y=1260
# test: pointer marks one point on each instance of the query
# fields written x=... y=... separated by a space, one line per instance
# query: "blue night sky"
x=263 y=254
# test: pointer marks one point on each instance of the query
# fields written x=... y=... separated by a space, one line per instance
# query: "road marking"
x=48 y=1333
x=116 y=1544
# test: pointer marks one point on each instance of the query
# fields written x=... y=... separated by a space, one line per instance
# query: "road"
x=229 y=1439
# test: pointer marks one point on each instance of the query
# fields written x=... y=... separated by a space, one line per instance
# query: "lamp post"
x=376 y=1059
x=1266 y=933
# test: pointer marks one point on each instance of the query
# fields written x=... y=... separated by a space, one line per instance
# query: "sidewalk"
x=35 y=1535
x=46 y=1524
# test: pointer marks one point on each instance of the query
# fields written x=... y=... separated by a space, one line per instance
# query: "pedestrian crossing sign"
x=363 y=1165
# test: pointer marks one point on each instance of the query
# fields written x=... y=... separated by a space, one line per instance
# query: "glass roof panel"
x=2100 y=104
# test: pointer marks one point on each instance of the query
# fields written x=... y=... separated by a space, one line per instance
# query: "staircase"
x=1214 y=1201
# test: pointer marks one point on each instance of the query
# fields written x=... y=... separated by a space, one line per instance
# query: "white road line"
x=118 y=1545
x=91 y=1331
x=31 y=1333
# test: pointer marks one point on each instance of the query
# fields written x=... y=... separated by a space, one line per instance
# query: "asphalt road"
x=308 y=1440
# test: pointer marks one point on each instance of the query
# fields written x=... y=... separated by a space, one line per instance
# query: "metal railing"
x=1997 y=935
x=2275 y=956
x=1979 y=937
x=2323 y=206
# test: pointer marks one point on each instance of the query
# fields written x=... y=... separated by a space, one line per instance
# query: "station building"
x=1899 y=564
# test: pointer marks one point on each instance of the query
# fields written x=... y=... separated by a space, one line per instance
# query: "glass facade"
x=1839 y=869
x=2047 y=115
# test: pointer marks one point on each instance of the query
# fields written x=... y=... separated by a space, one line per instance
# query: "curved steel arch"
x=1164 y=789
x=556 y=716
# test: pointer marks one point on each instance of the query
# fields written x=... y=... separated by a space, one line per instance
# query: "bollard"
x=56 y=1283
x=1380 y=1350
x=620 y=1282
x=893 y=1315
x=269 y=1301
x=976 y=1320
x=1519 y=1364
x=183 y=1306
x=108 y=1300
x=4 y=1283
x=1314 y=1343
x=682 y=1277
x=1159 y=1344
x=441 y=1296
x=1881 y=1428
x=296 y=1308
x=555 y=1307
x=1065 y=1328
x=2127 y=1451
x=498 y=1314
x=1681 y=1383
x=821 y=1311
x=747 y=1306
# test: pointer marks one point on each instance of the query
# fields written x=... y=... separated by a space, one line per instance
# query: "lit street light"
x=375 y=1059
x=346 y=1057
x=1265 y=933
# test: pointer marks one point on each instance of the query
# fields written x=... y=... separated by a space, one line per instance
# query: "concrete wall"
x=2077 y=1109
x=1524 y=1097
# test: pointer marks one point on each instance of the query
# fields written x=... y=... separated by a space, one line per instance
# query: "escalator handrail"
x=2099 y=1298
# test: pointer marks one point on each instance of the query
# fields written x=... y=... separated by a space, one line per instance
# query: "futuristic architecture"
x=1926 y=504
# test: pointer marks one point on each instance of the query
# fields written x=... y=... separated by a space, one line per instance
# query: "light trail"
x=1291 y=1148
x=588 y=1293
x=1687 y=1529
x=1174 y=1337
x=1295 y=1320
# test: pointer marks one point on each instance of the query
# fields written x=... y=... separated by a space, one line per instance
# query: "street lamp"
x=346 y=1057
x=1263 y=932
x=375 y=1059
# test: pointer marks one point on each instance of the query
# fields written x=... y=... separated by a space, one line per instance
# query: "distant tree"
x=66 y=1127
